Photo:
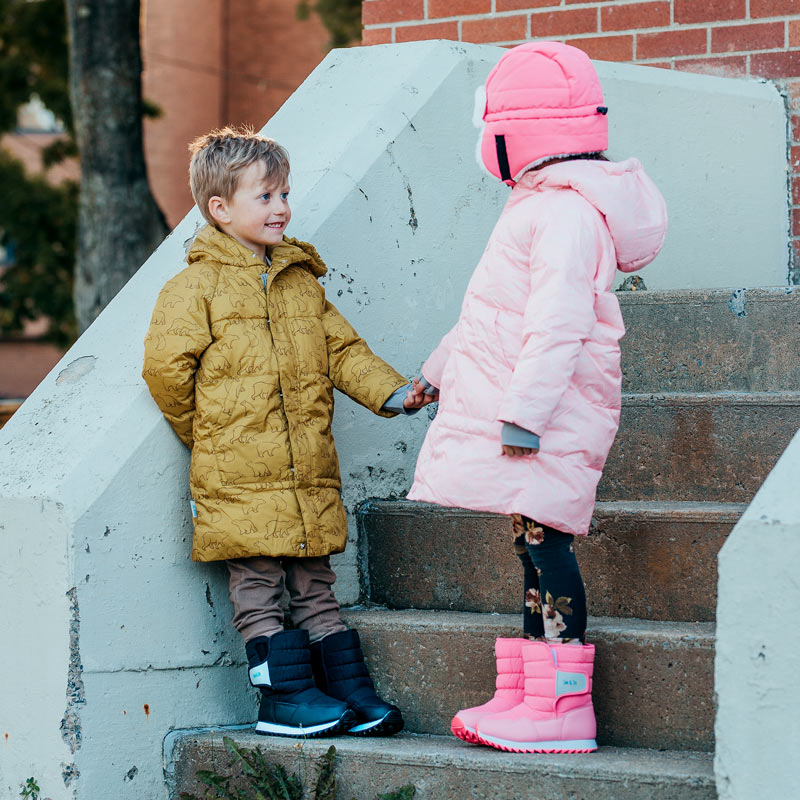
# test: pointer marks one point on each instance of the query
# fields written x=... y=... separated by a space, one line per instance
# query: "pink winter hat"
x=543 y=99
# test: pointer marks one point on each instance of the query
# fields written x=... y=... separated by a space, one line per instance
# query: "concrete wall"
x=111 y=635
x=758 y=650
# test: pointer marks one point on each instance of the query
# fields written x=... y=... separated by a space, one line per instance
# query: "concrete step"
x=711 y=340
x=653 y=680
x=650 y=560
x=717 y=447
x=441 y=768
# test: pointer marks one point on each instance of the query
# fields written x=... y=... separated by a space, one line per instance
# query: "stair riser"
x=704 y=448
x=700 y=341
x=471 y=772
x=648 y=692
x=651 y=567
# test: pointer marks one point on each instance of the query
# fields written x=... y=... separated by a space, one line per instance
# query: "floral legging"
x=555 y=598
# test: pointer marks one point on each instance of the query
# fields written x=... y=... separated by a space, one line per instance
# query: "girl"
x=529 y=378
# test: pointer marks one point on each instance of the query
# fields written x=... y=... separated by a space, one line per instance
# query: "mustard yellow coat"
x=242 y=360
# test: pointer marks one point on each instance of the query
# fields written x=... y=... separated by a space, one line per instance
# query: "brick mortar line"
x=687 y=26
x=625 y=32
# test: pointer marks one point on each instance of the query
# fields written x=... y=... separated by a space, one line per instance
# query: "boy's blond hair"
x=219 y=157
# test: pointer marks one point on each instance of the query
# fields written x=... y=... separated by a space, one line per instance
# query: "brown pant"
x=256 y=588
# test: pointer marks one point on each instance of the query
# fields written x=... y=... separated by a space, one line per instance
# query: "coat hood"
x=632 y=205
x=212 y=244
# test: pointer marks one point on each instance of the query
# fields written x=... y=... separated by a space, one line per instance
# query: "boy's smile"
x=257 y=214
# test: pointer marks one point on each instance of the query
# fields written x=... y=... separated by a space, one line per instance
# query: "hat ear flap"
x=479 y=108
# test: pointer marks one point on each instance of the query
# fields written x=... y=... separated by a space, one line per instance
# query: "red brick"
x=634 y=17
x=796 y=248
x=563 y=23
x=574 y=2
x=795 y=189
x=793 y=90
x=606 y=48
x=658 y=64
x=494 y=29
x=375 y=12
x=457 y=8
x=376 y=36
x=763 y=36
x=516 y=5
x=794 y=160
x=796 y=128
x=688 y=11
x=723 y=67
x=796 y=222
x=773 y=8
x=776 y=65
x=794 y=33
x=416 y=33
x=671 y=43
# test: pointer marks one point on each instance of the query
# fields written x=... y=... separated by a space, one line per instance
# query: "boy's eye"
x=285 y=196
x=265 y=196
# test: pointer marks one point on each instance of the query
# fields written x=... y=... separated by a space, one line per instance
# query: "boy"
x=242 y=357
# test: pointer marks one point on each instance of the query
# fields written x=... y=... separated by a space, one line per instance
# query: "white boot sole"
x=554 y=746
x=275 y=729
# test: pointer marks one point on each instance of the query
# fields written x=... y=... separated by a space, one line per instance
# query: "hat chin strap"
x=502 y=158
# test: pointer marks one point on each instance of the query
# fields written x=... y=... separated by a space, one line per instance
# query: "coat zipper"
x=264 y=280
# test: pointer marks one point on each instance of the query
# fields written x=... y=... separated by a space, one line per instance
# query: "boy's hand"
x=510 y=450
x=417 y=399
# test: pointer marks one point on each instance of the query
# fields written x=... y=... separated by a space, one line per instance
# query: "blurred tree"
x=37 y=220
x=119 y=222
x=341 y=17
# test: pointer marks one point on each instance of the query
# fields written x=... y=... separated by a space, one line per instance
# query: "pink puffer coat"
x=537 y=345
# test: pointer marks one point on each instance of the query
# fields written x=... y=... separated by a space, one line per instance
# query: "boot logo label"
x=570 y=683
x=259 y=676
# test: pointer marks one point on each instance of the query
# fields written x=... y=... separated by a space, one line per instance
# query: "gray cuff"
x=514 y=436
x=395 y=402
x=429 y=388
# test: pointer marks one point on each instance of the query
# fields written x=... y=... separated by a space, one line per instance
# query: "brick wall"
x=731 y=38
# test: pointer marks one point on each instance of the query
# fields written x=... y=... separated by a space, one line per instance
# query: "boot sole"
x=555 y=746
x=311 y=732
x=461 y=731
x=387 y=725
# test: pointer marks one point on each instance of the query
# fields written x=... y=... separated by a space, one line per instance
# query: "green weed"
x=266 y=781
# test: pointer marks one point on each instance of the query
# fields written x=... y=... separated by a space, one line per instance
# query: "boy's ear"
x=218 y=209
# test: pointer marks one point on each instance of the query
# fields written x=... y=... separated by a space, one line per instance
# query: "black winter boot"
x=291 y=705
x=340 y=672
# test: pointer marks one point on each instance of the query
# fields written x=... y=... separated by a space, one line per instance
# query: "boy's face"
x=257 y=214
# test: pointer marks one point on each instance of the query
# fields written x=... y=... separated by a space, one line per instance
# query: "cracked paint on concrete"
x=70 y=724
x=73 y=372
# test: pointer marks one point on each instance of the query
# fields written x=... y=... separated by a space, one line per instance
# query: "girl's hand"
x=417 y=397
x=415 y=400
x=510 y=450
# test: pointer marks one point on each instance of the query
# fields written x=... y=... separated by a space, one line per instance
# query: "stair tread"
x=649 y=509
x=446 y=751
x=699 y=633
x=732 y=397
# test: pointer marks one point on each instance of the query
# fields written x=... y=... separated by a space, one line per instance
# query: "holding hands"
x=421 y=394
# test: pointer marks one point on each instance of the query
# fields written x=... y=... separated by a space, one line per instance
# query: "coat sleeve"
x=434 y=366
x=559 y=315
x=179 y=333
x=354 y=368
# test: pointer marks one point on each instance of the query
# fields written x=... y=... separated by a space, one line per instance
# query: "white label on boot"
x=259 y=676
x=570 y=683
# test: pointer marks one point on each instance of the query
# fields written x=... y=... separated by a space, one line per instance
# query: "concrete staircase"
x=711 y=399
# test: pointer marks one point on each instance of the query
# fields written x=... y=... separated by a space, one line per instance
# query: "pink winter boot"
x=509 y=689
x=556 y=714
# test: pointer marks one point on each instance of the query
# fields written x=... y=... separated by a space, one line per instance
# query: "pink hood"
x=631 y=204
